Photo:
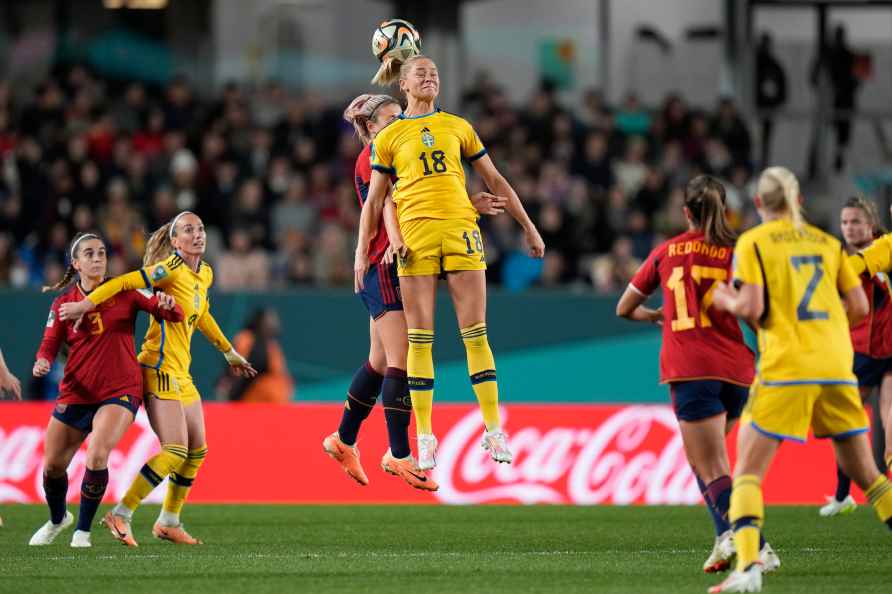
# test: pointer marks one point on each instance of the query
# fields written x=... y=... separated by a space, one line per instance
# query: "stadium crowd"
x=271 y=174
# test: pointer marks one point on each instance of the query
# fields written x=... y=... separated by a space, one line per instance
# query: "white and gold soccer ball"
x=396 y=38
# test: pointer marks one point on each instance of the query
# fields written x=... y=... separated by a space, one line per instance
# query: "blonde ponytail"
x=388 y=73
x=778 y=189
x=159 y=246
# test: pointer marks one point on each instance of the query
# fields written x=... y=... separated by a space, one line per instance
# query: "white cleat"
x=49 y=531
x=497 y=444
x=769 y=559
x=427 y=451
x=81 y=540
x=837 y=508
x=723 y=552
x=741 y=581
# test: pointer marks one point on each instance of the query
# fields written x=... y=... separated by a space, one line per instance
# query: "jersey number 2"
x=802 y=310
x=683 y=320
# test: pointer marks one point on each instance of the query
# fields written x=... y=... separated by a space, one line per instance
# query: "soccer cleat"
x=497 y=444
x=741 y=581
x=723 y=553
x=175 y=534
x=49 y=531
x=81 y=540
x=407 y=470
x=769 y=559
x=347 y=456
x=837 y=508
x=427 y=451
x=119 y=526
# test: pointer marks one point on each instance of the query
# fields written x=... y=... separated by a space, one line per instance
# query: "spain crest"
x=427 y=139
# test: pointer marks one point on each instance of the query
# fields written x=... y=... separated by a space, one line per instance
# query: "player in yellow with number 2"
x=424 y=148
x=173 y=262
x=792 y=275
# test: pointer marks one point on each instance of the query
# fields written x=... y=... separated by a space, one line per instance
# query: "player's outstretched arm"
x=498 y=185
x=75 y=310
x=211 y=330
x=369 y=220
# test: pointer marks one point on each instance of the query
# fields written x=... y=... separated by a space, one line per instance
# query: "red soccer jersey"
x=101 y=360
x=699 y=342
x=871 y=336
x=362 y=179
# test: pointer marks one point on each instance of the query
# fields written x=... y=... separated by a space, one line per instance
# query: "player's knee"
x=97 y=456
x=54 y=467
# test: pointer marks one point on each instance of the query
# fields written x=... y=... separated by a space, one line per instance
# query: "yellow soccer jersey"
x=167 y=345
x=877 y=257
x=804 y=331
x=425 y=153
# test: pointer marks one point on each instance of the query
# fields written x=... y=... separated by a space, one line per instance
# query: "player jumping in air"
x=385 y=370
x=172 y=262
x=101 y=390
x=703 y=358
x=424 y=148
x=792 y=275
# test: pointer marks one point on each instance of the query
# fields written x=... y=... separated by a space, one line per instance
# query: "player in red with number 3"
x=703 y=359
x=101 y=371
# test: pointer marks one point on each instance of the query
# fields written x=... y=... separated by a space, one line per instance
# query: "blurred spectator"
x=260 y=345
x=730 y=129
x=771 y=92
x=836 y=64
x=243 y=266
x=631 y=118
x=612 y=272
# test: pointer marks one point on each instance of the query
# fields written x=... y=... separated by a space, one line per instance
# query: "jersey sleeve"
x=155 y=275
x=381 y=156
x=471 y=146
x=146 y=300
x=848 y=278
x=877 y=257
x=647 y=279
x=53 y=335
x=208 y=326
x=748 y=262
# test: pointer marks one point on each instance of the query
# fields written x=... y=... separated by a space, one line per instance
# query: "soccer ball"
x=396 y=38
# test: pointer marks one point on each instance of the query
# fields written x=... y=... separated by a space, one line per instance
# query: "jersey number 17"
x=683 y=320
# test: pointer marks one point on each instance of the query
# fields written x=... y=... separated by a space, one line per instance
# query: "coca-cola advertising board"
x=563 y=454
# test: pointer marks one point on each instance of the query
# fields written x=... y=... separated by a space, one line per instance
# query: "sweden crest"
x=427 y=139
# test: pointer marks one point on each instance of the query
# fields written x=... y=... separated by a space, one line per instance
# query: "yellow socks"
x=482 y=369
x=420 y=371
x=747 y=514
x=880 y=496
x=153 y=472
x=181 y=480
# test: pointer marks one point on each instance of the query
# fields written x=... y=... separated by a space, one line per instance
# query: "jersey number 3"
x=96 y=321
x=683 y=320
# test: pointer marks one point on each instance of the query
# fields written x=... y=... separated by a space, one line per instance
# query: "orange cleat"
x=347 y=456
x=174 y=534
x=408 y=471
x=120 y=529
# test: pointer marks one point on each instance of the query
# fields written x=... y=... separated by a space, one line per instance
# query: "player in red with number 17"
x=703 y=358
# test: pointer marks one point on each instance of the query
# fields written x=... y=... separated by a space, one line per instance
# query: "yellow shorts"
x=169 y=387
x=441 y=245
x=787 y=411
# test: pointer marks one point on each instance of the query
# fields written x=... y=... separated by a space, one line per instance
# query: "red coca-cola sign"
x=564 y=454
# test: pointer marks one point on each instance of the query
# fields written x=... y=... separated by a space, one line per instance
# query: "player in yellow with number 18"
x=792 y=275
x=172 y=261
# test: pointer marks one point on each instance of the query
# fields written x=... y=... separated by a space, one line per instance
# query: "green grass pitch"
x=490 y=549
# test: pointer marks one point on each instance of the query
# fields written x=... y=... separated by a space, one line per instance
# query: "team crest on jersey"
x=51 y=320
x=159 y=273
x=427 y=139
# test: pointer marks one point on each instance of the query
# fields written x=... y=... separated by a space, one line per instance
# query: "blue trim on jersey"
x=844 y=434
x=476 y=156
x=383 y=169
x=145 y=278
x=403 y=116
x=812 y=382
x=161 y=349
x=776 y=435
